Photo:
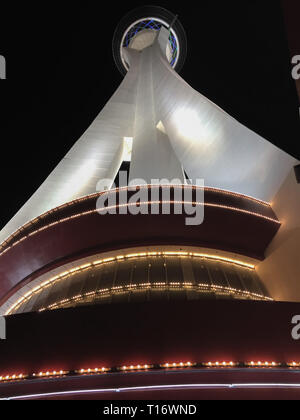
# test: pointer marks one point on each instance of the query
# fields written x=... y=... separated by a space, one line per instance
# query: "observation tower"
x=109 y=305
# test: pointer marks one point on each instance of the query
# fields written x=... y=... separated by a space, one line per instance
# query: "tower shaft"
x=153 y=156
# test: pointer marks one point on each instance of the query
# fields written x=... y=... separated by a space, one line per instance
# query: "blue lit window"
x=154 y=25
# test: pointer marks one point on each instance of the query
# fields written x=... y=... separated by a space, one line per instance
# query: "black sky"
x=60 y=74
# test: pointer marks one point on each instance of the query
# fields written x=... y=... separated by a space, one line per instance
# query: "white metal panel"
x=95 y=156
x=210 y=144
x=153 y=157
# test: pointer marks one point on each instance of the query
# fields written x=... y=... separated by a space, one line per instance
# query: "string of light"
x=190 y=203
x=166 y=254
x=117 y=190
x=55 y=374
x=194 y=204
x=103 y=293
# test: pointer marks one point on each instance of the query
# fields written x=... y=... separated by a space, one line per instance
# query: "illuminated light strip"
x=230 y=289
x=165 y=286
x=49 y=374
x=224 y=259
x=141 y=287
x=47 y=283
x=144 y=203
x=182 y=186
x=132 y=368
x=92 y=371
x=123 y=289
x=293 y=364
x=262 y=364
x=177 y=365
x=220 y=364
x=134 y=188
x=95 y=195
x=159 y=388
x=192 y=203
x=146 y=367
x=12 y=378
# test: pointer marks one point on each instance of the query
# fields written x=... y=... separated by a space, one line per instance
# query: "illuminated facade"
x=60 y=259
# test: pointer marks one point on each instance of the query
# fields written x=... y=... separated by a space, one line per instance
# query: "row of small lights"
x=75 y=216
x=147 y=367
x=235 y=291
x=164 y=286
x=59 y=277
x=95 y=195
x=184 y=186
x=118 y=206
x=191 y=203
x=109 y=292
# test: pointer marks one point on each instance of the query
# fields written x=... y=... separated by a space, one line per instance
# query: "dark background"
x=60 y=73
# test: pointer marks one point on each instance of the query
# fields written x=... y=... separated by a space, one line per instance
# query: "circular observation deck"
x=138 y=29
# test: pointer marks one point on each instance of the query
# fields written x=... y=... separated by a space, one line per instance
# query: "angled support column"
x=152 y=155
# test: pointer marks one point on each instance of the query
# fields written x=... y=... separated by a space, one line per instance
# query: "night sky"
x=60 y=74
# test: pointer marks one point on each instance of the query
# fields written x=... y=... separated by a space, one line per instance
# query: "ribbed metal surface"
x=148 y=279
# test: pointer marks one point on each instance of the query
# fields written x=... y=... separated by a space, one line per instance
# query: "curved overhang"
x=233 y=223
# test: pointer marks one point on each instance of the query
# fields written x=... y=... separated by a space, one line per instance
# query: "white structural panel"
x=96 y=155
x=198 y=137
x=153 y=157
x=211 y=144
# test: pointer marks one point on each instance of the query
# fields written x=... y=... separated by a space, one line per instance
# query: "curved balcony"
x=232 y=222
